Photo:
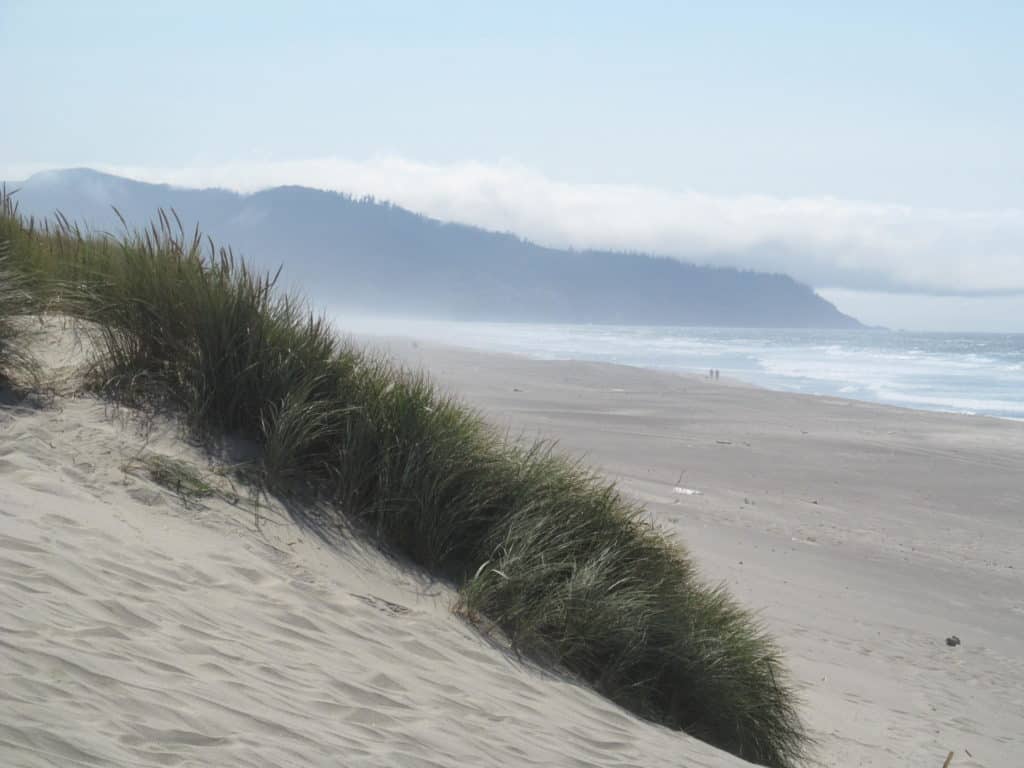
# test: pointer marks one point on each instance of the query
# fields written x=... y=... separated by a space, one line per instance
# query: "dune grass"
x=17 y=302
x=176 y=475
x=541 y=547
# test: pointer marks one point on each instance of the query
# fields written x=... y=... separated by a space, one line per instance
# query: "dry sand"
x=138 y=630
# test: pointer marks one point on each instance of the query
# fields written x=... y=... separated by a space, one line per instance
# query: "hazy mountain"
x=364 y=255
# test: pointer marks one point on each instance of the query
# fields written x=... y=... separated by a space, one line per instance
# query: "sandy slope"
x=137 y=630
x=867 y=534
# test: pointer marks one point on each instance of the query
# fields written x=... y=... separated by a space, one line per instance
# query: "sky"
x=872 y=150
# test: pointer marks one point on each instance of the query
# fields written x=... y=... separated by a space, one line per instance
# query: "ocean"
x=967 y=373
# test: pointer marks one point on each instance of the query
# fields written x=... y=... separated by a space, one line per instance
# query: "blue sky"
x=889 y=139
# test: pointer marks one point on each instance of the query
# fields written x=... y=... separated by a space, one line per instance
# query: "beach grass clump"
x=17 y=302
x=176 y=475
x=47 y=255
x=542 y=548
x=578 y=574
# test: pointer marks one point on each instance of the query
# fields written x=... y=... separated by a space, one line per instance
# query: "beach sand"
x=141 y=629
x=866 y=535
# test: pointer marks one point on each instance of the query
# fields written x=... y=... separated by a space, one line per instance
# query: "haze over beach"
x=552 y=385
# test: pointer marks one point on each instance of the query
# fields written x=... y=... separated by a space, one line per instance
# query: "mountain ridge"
x=363 y=254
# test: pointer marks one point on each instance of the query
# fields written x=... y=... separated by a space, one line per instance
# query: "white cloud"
x=825 y=241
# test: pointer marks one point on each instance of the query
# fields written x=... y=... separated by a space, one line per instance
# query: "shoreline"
x=920 y=372
x=386 y=341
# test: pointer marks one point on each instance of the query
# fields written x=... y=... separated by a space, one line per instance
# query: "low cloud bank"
x=826 y=242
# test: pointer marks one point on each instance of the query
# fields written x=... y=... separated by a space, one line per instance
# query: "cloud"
x=827 y=242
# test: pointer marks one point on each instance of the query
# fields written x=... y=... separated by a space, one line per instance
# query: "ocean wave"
x=972 y=405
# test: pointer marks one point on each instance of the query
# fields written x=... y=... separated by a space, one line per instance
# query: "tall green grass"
x=17 y=301
x=541 y=547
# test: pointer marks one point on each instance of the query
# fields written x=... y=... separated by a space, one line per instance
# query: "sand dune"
x=140 y=630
